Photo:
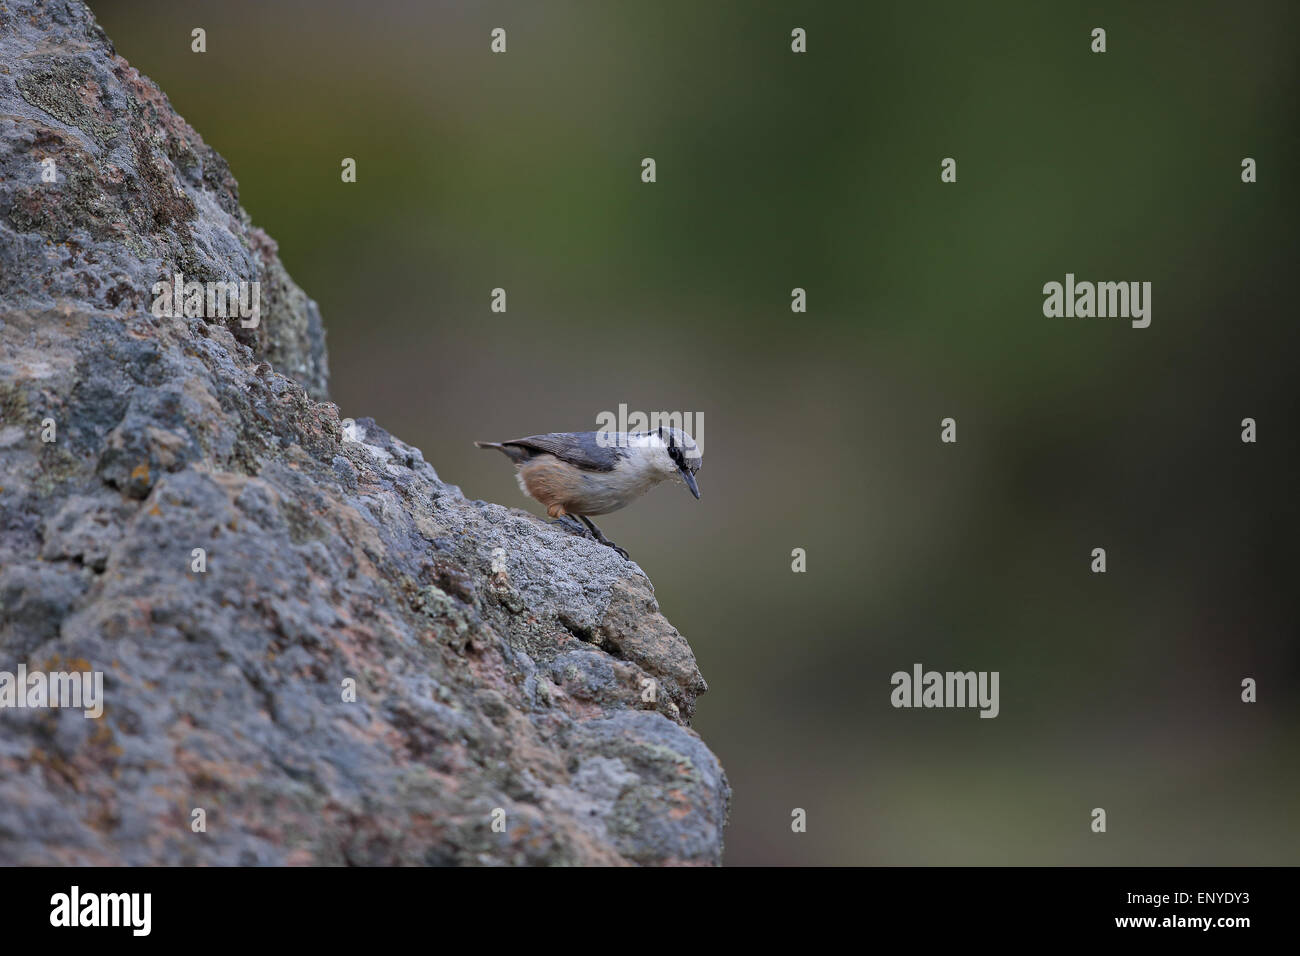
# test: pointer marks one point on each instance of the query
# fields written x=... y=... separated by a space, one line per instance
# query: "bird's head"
x=679 y=456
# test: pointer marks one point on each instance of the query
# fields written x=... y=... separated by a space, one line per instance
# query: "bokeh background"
x=821 y=171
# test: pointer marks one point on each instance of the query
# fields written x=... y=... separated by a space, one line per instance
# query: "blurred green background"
x=821 y=171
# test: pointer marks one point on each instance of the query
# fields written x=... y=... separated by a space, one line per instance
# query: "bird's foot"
x=573 y=524
x=610 y=544
x=589 y=531
x=601 y=539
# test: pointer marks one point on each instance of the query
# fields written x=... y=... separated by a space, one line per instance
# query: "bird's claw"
x=601 y=539
x=591 y=532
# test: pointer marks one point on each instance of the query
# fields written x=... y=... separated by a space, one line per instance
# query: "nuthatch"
x=579 y=474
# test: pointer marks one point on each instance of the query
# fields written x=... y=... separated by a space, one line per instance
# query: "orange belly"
x=551 y=482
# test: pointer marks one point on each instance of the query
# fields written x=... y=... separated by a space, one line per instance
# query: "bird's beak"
x=690 y=481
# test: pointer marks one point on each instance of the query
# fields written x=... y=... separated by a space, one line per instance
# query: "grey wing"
x=577 y=448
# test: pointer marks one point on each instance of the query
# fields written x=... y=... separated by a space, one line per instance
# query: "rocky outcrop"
x=303 y=632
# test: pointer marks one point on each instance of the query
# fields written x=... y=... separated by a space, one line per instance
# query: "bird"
x=580 y=474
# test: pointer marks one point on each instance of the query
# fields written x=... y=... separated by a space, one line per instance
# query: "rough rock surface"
x=500 y=663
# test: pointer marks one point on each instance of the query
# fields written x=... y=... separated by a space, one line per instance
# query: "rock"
x=503 y=667
x=137 y=198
